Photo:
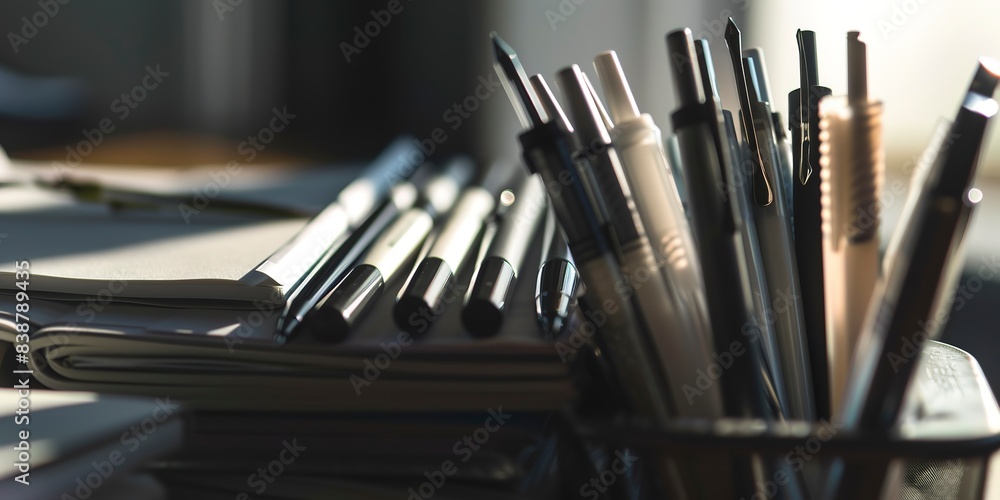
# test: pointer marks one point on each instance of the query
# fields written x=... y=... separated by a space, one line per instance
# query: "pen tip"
x=731 y=29
x=987 y=76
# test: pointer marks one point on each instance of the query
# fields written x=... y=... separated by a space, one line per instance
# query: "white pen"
x=852 y=164
x=670 y=318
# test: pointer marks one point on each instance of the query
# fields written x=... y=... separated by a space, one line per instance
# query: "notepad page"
x=85 y=249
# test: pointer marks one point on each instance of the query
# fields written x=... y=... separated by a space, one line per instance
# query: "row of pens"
x=761 y=294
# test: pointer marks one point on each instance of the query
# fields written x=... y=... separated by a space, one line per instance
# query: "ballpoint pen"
x=782 y=146
x=670 y=307
x=290 y=263
x=747 y=389
x=546 y=146
x=496 y=274
x=422 y=298
x=852 y=164
x=698 y=124
x=558 y=280
x=638 y=142
x=337 y=311
x=741 y=177
x=775 y=239
x=911 y=303
x=803 y=124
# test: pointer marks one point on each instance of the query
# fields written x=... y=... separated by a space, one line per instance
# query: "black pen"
x=803 y=122
x=912 y=302
x=496 y=275
x=698 y=125
x=558 y=280
x=364 y=203
x=546 y=146
x=741 y=172
x=431 y=285
x=338 y=311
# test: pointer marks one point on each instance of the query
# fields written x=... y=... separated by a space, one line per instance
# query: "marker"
x=494 y=280
x=431 y=285
x=339 y=310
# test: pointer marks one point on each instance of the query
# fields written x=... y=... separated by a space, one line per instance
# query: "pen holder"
x=943 y=447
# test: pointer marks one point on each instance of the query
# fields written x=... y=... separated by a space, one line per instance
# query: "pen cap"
x=423 y=297
x=621 y=103
x=488 y=297
x=338 y=312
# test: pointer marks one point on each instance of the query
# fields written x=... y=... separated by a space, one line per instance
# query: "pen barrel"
x=460 y=230
x=718 y=242
x=656 y=198
x=393 y=165
x=615 y=321
x=400 y=242
x=852 y=166
x=546 y=150
x=520 y=223
x=682 y=340
x=741 y=172
x=782 y=277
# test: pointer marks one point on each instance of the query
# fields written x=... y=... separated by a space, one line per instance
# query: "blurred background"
x=179 y=82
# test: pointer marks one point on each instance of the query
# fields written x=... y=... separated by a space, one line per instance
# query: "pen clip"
x=517 y=87
x=807 y=78
x=762 y=193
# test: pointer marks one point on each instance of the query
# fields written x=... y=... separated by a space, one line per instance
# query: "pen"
x=671 y=318
x=558 y=280
x=546 y=148
x=741 y=172
x=343 y=256
x=912 y=302
x=697 y=124
x=803 y=123
x=746 y=384
x=290 y=263
x=851 y=169
x=422 y=298
x=776 y=247
x=354 y=203
x=336 y=313
x=496 y=275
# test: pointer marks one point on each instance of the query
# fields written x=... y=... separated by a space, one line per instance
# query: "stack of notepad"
x=148 y=302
